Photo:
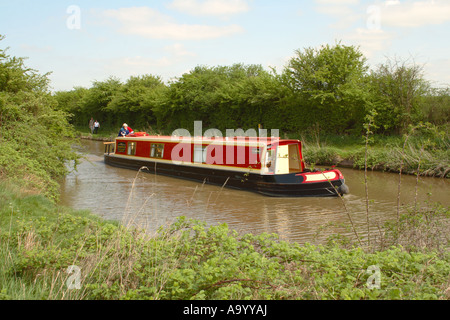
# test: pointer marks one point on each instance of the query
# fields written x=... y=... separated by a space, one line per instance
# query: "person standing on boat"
x=125 y=130
x=96 y=126
x=91 y=125
x=129 y=129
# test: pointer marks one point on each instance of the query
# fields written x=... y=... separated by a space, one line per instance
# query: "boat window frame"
x=295 y=161
x=153 y=150
x=131 y=148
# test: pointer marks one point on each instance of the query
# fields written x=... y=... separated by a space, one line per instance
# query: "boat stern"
x=326 y=183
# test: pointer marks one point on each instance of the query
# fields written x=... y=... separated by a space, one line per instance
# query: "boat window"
x=270 y=161
x=200 y=154
x=157 y=151
x=131 y=148
x=285 y=159
x=294 y=158
x=121 y=147
x=254 y=157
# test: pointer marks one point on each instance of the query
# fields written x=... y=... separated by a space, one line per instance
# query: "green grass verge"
x=419 y=155
x=188 y=260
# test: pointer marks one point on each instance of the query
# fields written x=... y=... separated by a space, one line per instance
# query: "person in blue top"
x=124 y=131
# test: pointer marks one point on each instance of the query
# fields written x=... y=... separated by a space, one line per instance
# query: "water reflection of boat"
x=269 y=166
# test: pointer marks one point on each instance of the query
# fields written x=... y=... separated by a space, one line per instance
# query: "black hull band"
x=286 y=185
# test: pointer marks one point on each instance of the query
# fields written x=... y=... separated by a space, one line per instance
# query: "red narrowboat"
x=269 y=166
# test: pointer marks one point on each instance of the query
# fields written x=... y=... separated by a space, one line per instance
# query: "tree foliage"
x=137 y=98
x=33 y=144
x=399 y=90
x=436 y=106
x=222 y=97
x=329 y=82
x=329 y=89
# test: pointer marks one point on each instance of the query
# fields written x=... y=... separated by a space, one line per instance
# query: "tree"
x=95 y=102
x=71 y=103
x=399 y=88
x=223 y=97
x=436 y=106
x=328 y=83
x=35 y=138
x=137 y=99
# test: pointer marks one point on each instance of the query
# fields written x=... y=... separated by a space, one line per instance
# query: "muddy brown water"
x=150 y=201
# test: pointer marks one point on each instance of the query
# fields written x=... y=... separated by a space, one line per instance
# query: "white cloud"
x=345 y=15
x=338 y=2
x=415 y=13
x=391 y=2
x=150 y=23
x=370 y=41
x=336 y=10
x=375 y=27
x=163 y=62
x=178 y=50
x=142 y=62
x=390 y=13
x=437 y=69
x=210 y=7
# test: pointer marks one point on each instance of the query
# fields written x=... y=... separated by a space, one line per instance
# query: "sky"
x=80 y=42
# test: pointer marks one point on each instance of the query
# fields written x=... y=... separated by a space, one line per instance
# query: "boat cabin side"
x=265 y=156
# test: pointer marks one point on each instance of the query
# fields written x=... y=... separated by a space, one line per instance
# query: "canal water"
x=151 y=201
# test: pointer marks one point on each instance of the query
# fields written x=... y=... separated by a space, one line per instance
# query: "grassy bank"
x=418 y=154
x=187 y=260
x=103 y=134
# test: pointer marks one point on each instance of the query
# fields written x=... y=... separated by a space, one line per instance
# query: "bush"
x=35 y=139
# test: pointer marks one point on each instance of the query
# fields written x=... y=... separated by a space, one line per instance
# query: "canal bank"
x=96 y=138
x=49 y=252
x=387 y=158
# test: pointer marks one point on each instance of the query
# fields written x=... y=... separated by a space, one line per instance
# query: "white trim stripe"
x=320 y=176
x=190 y=164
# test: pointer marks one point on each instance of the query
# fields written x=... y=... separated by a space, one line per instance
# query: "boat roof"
x=219 y=140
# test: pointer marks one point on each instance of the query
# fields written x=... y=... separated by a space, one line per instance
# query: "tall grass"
x=414 y=150
x=427 y=145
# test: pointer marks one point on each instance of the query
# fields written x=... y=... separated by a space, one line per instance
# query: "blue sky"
x=83 y=41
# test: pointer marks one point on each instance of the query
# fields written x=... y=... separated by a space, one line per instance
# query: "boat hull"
x=283 y=185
